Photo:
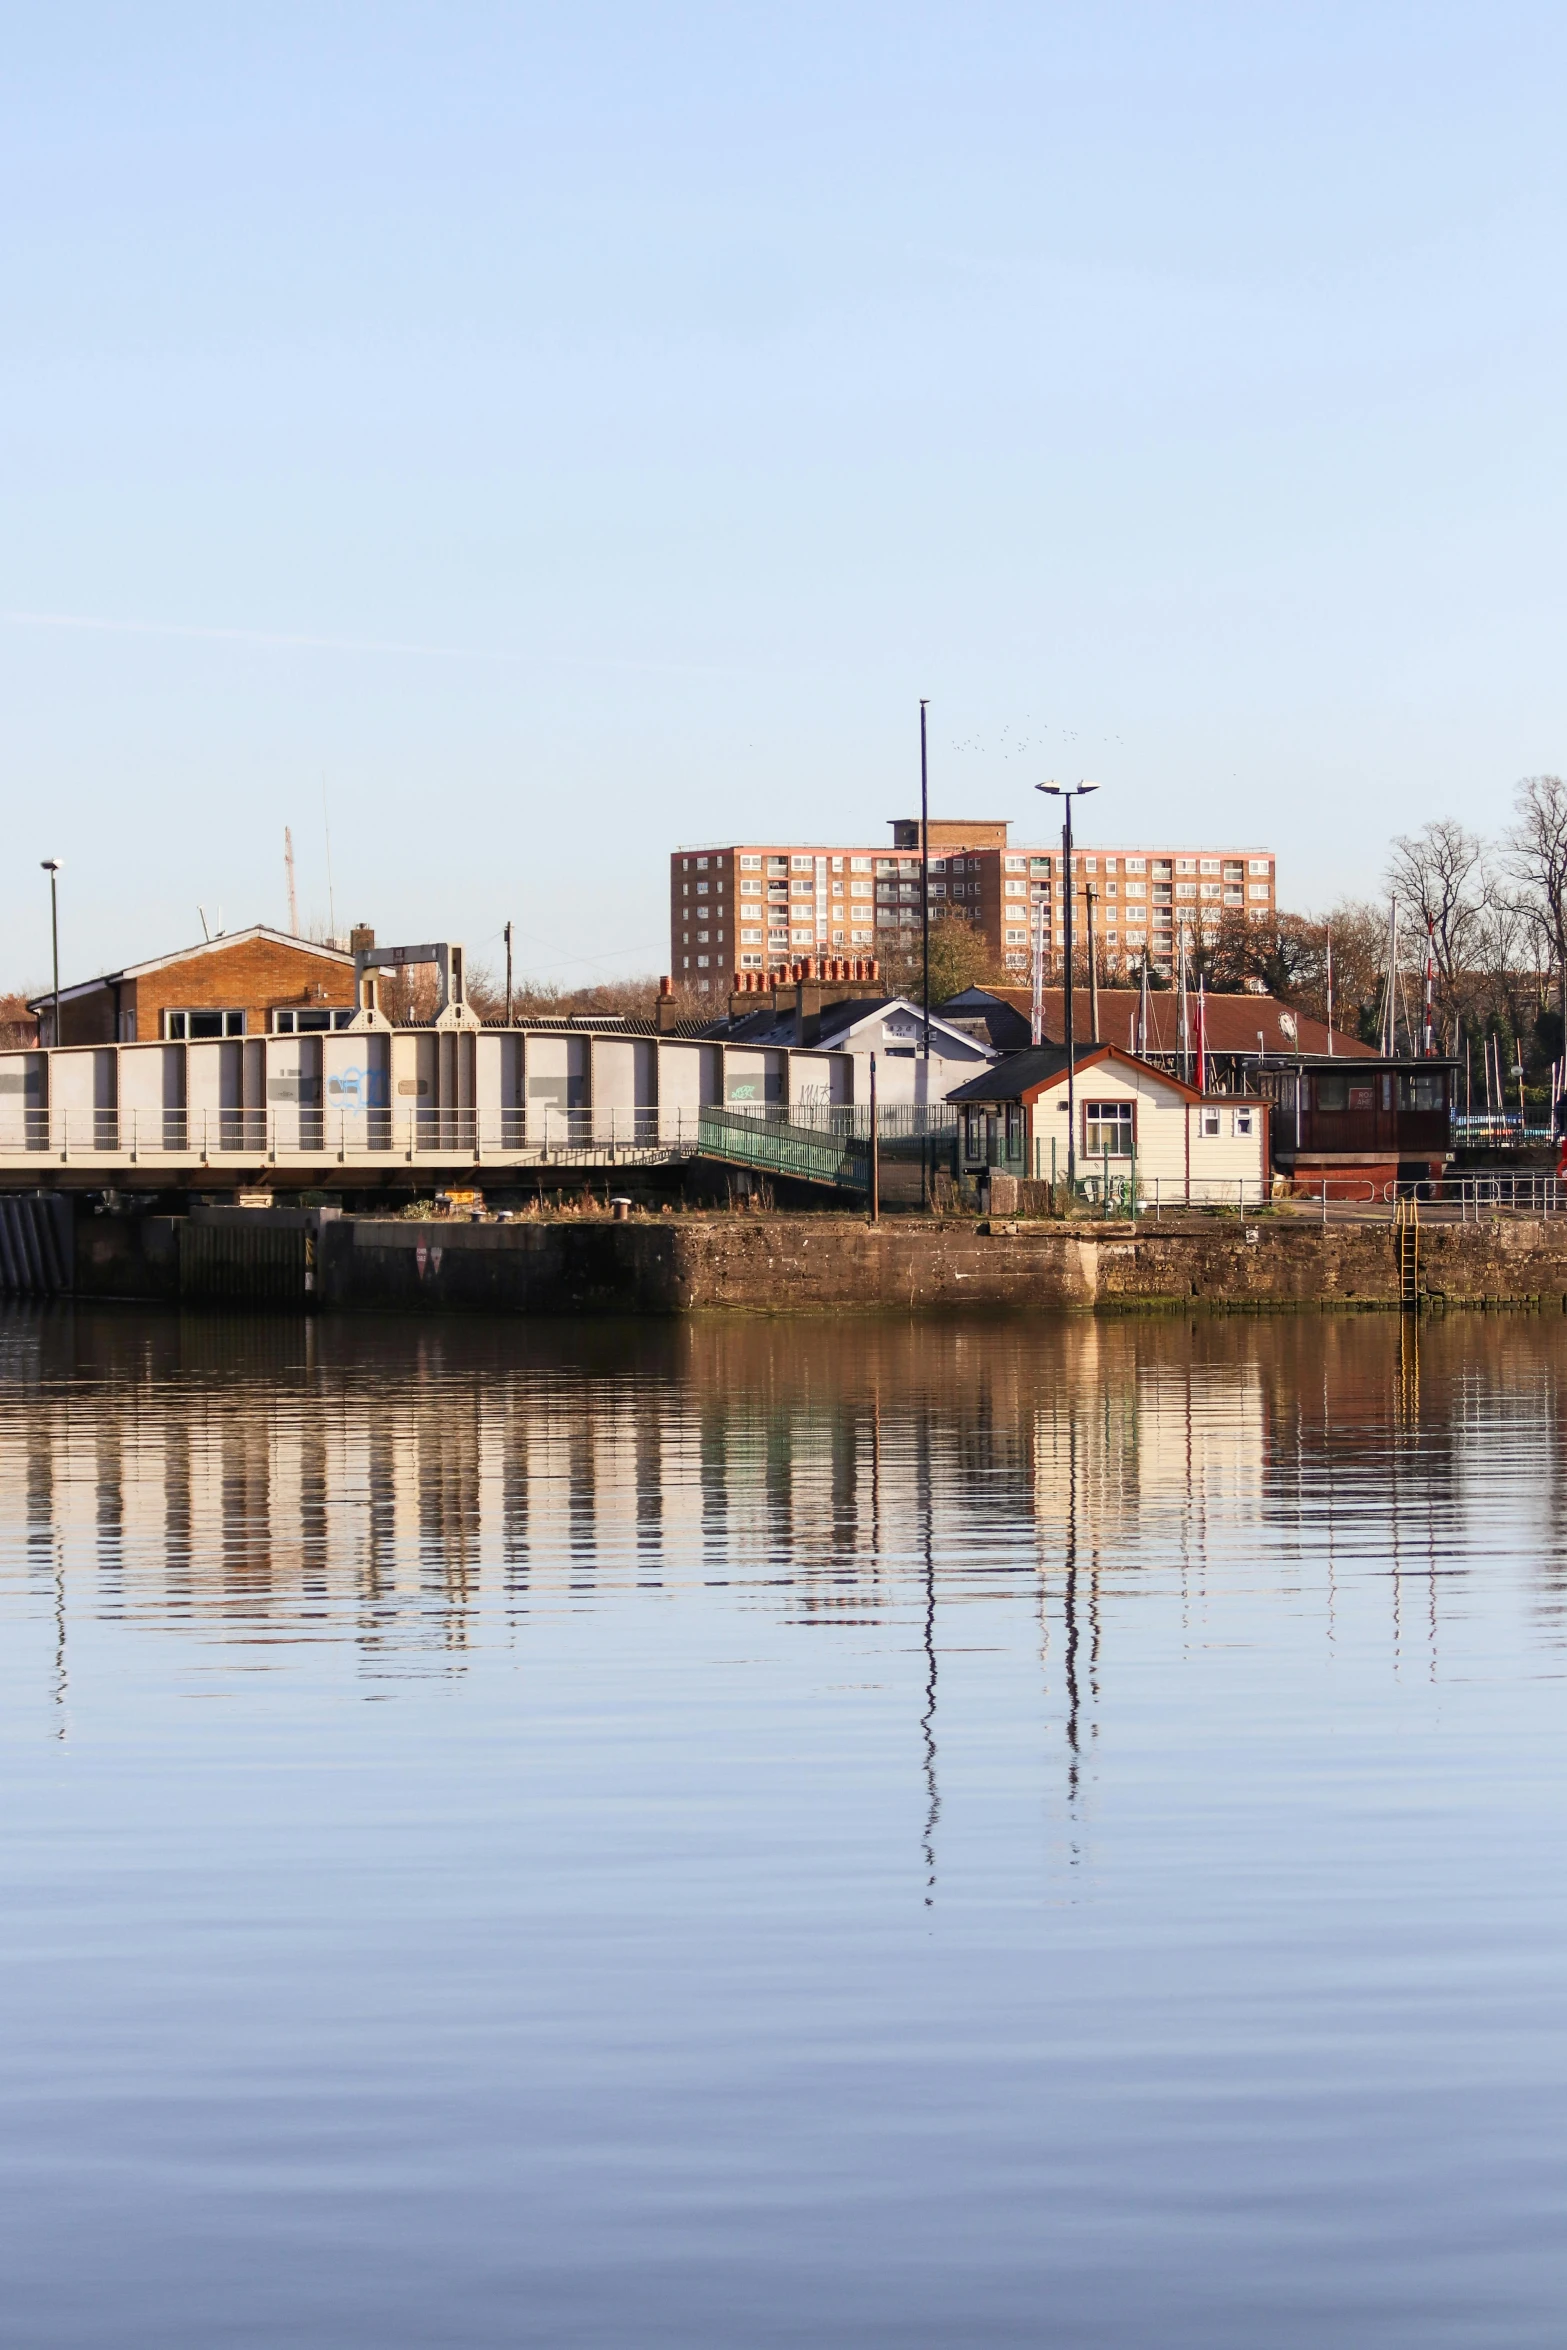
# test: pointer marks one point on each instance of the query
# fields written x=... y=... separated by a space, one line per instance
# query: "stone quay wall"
x=812 y=1264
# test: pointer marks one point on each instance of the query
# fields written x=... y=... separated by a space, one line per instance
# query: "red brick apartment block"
x=751 y=905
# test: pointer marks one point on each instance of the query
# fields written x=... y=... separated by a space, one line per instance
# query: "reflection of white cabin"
x=1132 y=1119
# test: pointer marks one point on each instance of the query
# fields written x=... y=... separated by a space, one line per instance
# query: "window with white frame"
x=750 y=864
x=1208 y=1124
x=1258 y=865
x=204 y=1024
x=1245 y=1123
x=1109 y=1126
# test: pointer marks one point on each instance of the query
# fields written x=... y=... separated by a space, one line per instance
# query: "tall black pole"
x=508 y=974
x=1071 y=1056
x=925 y=949
x=51 y=866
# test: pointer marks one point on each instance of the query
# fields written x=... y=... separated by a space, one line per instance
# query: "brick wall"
x=253 y=975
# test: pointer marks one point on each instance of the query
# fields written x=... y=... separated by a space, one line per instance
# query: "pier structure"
x=301 y=1109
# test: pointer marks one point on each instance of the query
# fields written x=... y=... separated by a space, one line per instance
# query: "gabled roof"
x=1040 y=1066
x=840 y=1024
x=1232 y=1021
x=205 y=946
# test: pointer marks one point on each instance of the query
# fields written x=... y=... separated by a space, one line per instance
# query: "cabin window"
x=1245 y=1122
x=1107 y=1126
x=1422 y=1089
x=1208 y=1123
x=1332 y=1093
x=310 y=1022
x=202 y=1025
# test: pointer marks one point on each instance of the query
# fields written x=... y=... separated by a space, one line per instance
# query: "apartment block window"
x=1016 y=864
x=859 y=864
x=1137 y=889
x=750 y=889
x=750 y=962
x=193 y=1025
x=938 y=889
x=701 y=864
x=802 y=889
x=1132 y=865
x=886 y=864
x=750 y=938
x=685 y=889
x=1186 y=889
x=863 y=938
x=1017 y=938
x=1108 y=1126
x=807 y=862
x=859 y=889
x=701 y=938
x=750 y=864
x=1256 y=889
x=1109 y=889
x=294 y=1023
x=1208 y=865
x=685 y=962
x=1109 y=864
x=701 y=889
x=1258 y=865
x=1090 y=864
x=1211 y=889
x=1016 y=889
x=938 y=864
x=702 y=962
x=837 y=864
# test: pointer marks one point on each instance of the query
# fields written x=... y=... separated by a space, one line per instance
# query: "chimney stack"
x=667 y=1012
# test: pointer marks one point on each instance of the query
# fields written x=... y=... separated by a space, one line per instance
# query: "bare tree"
x=1439 y=874
x=1536 y=852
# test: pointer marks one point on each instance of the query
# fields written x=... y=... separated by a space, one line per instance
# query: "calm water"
x=781 y=1835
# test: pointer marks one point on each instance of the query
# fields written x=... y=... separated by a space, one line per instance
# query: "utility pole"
x=508 y=974
x=875 y=1152
x=1067 y=793
x=1089 y=896
x=51 y=866
x=925 y=950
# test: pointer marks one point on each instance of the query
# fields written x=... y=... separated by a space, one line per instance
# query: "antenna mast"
x=288 y=867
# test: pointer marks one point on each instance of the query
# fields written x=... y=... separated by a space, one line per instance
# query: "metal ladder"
x=1406 y=1226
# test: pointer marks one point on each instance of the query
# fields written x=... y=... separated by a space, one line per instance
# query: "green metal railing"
x=778 y=1146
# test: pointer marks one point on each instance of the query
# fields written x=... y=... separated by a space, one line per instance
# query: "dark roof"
x=1042 y=1064
x=1232 y=1020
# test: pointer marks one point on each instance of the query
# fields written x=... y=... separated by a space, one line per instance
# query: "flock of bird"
x=1008 y=745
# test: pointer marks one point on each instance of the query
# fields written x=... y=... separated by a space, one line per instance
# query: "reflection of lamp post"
x=51 y=866
x=1068 y=793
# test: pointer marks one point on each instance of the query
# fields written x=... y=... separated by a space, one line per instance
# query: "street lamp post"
x=1067 y=793
x=51 y=866
x=925 y=951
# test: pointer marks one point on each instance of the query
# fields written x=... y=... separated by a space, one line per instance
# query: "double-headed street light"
x=1067 y=793
x=51 y=866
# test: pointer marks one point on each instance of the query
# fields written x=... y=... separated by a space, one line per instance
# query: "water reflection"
x=390 y=1485
x=782 y=1833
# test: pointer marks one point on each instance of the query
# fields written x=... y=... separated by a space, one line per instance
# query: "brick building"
x=751 y=905
x=255 y=982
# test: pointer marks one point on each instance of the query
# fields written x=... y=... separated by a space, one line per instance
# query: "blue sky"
x=563 y=432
